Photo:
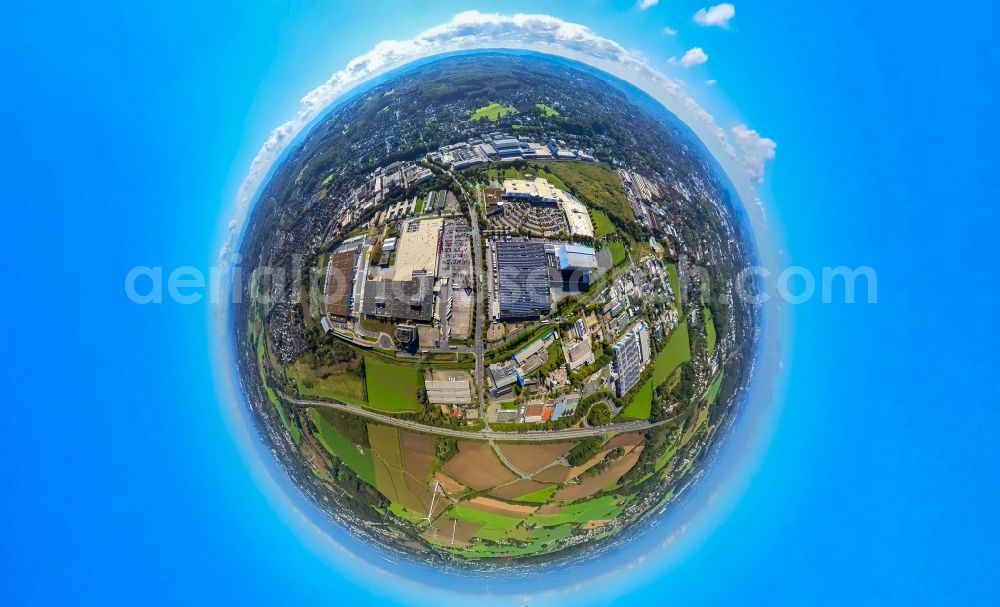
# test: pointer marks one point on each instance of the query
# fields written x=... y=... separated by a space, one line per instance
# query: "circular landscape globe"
x=487 y=310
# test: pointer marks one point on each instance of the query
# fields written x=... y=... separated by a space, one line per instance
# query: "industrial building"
x=340 y=282
x=576 y=257
x=533 y=356
x=631 y=354
x=417 y=249
x=579 y=354
x=503 y=376
x=538 y=191
x=400 y=299
x=565 y=406
x=577 y=217
x=533 y=412
x=453 y=392
x=522 y=279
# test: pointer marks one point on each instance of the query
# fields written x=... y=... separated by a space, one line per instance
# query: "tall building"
x=631 y=354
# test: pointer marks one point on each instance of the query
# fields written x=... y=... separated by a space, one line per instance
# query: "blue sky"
x=128 y=130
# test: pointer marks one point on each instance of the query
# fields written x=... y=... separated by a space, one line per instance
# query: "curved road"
x=486 y=435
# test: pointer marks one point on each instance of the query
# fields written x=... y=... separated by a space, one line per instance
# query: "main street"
x=487 y=435
x=477 y=260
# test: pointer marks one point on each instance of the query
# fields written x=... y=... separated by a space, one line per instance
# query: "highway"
x=487 y=435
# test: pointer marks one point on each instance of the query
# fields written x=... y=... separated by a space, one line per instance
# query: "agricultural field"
x=713 y=390
x=554 y=474
x=539 y=497
x=292 y=428
x=709 y=328
x=529 y=458
x=675 y=286
x=404 y=481
x=313 y=382
x=608 y=477
x=354 y=457
x=477 y=467
x=493 y=111
x=600 y=508
x=391 y=387
x=690 y=431
x=516 y=490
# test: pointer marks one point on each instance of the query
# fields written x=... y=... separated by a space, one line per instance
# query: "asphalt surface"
x=487 y=435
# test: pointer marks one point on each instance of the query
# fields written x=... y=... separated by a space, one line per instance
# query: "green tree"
x=599 y=415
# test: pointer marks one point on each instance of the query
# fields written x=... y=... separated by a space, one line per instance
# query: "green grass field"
x=335 y=443
x=602 y=225
x=675 y=285
x=495 y=522
x=553 y=179
x=617 y=252
x=538 y=497
x=603 y=507
x=344 y=386
x=691 y=430
x=391 y=387
x=293 y=429
x=676 y=352
x=641 y=404
x=493 y=111
x=709 y=328
x=713 y=390
x=665 y=457
x=401 y=511
x=597 y=185
x=547 y=111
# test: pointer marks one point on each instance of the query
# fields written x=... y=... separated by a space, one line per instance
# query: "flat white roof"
x=576 y=216
x=522 y=188
x=417 y=248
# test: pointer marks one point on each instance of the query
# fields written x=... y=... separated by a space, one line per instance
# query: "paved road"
x=507 y=462
x=487 y=435
x=477 y=257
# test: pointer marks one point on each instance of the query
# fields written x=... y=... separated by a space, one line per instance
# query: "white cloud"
x=756 y=150
x=712 y=82
x=669 y=31
x=695 y=56
x=474 y=30
x=644 y=4
x=718 y=15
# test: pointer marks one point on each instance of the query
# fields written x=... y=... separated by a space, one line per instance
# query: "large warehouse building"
x=576 y=257
x=537 y=191
x=400 y=299
x=577 y=217
x=522 y=279
x=340 y=282
x=417 y=251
